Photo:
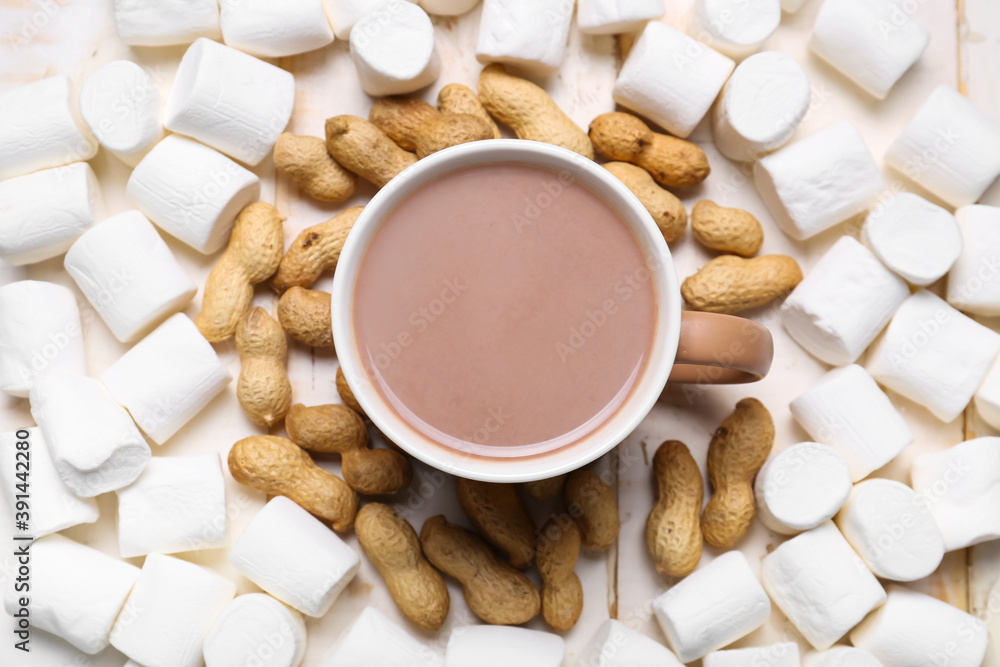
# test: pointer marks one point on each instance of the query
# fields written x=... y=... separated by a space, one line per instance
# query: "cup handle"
x=721 y=349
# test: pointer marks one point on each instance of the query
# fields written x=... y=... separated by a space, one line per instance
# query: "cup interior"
x=497 y=465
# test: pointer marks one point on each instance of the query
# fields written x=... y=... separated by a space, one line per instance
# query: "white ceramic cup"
x=703 y=332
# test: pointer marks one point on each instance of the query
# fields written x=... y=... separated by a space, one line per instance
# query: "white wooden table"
x=44 y=37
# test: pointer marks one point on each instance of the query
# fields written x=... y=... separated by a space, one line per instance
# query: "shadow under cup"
x=511 y=463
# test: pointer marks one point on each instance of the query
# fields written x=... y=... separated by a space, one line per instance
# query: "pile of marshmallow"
x=225 y=111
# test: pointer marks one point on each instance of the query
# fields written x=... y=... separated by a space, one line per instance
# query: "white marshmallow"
x=713 y=607
x=848 y=411
x=671 y=79
x=915 y=630
x=40 y=333
x=761 y=106
x=801 y=487
x=191 y=191
x=343 y=14
x=120 y=104
x=169 y=612
x=256 y=629
x=44 y=212
x=502 y=646
x=393 y=49
x=128 y=274
x=871 y=42
x=306 y=569
x=974 y=279
x=933 y=355
x=820 y=181
x=892 y=529
x=617 y=645
x=94 y=444
x=913 y=237
x=39 y=128
x=178 y=503
x=841 y=656
x=844 y=301
x=736 y=28
x=375 y=640
x=951 y=147
x=987 y=398
x=229 y=100
x=531 y=34
x=269 y=30
x=53 y=506
x=962 y=488
x=613 y=17
x=448 y=7
x=792 y=6
x=820 y=584
x=188 y=375
x=785 y=654
x=76 y=591
x=166 y=22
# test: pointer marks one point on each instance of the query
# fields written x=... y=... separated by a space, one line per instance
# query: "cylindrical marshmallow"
x=841 y=656
x=933 y=355
x=736 y=28
x=801 y=487
x=128 y=275
x=76 y=592
x=375 y=640
x=166 y=22
x=393 y=49
x=961 y=486
x=39 y=128
x=761 y=106
x=40 y=333
x=188 y=372
x=306 y=569
x=502 y=646
x=94 y=444
x=913 y=237
x=230 y=101
x=792 y=6
x=915 y=630
x=848 y=411
x=531 y=34
x=170 y=611
x=191 y=191
x=256 y=629
x=670 y=78
x=892 y=529
x=617 y=645
x=44 y=212
x=820 y=584
x=177 y=504
x=120 y=104
x=713 y=607
x=820 y=181
x=871 y=42
x=272 y=30
x=951 y=147
x=974 y=279
x=613 y=17
x=343 y=14
x=987 y=398
x=785 y=654
x=53 y=506
x=843 y=303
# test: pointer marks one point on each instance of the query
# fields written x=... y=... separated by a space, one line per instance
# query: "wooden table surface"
x=43 y=37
